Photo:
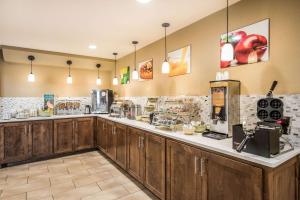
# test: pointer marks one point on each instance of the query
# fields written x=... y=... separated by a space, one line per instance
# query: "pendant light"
x=227 y=48
x=31 y=77
x=135 y=74
x=115 y=79
x=69 y=78
x=165 y=69
x=98 y=81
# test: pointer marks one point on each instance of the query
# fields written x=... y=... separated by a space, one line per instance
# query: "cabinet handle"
x=139 y=145
x=142 y=142
x=196 y=164
x=202 y=163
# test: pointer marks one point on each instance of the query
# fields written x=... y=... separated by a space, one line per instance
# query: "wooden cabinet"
x=15 y=142
x=101 y=135
x=83 y=133
x=63 y=136
x=120 y=137
x=155 y=149
x=136 y=153
x=42 y=138
x=111 y=140
x=224 y=178
x=183 y=172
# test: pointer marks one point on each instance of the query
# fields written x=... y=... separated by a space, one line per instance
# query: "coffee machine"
x=101 y=101
x=225 y=108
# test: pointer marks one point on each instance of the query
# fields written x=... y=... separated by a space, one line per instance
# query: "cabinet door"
x=15 y=142
x=111 y=140
x=84 y=133
x=42 y=138
x=229 y=179
x=135 y=154
x=120 y=131
x=155 y=149
x=183 y=176
x=63 y=136
x=101 y=135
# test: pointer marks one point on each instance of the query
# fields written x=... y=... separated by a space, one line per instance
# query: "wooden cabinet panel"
x=111 y=140
x=229 y=179
x=42 y=138
x=101 y=135
x=84 y=133
x=183 y=176
x=15 y=142
x=155 y=149
x=63 y=136
x=120 y=131
x=135 y=154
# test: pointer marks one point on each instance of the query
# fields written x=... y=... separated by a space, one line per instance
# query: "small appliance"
x=87 y=109
x=225 y=108
x=265 y=139
x=101 y=101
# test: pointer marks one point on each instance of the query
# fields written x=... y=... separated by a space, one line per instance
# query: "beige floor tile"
x=132 y=187
x=111 y=194
x=15 y=197
x=83 y=176
x=61 y=188
x=91 y=179
x=140 y=195
x=39 y=194
x=78 y=193
x=19 y=189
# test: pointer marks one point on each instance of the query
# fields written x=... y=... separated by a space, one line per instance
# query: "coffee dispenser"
x=225 y=108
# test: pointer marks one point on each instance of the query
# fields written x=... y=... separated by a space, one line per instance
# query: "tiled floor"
x=87 y=176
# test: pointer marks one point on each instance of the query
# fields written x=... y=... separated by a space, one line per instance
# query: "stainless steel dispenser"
x=225 y=108
x=101 y=101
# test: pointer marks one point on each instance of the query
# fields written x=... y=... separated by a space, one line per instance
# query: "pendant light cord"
x=31 y=67
x=135 y=57
x=98 y=72
x=115 y=66
x=69 y=70
x=227 y=18
x=165 y=43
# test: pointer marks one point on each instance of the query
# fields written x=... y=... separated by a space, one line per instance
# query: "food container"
x=188 y=129
x=6 y=116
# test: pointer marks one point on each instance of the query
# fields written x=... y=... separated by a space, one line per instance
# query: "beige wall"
x=13 y=81
x=284 y=64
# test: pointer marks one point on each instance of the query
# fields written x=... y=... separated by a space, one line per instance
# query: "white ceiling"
x=69 y=26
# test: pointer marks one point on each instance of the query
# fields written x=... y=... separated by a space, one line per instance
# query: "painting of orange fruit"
x=180 y=61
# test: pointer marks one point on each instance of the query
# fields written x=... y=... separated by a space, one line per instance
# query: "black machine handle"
x=243 y=143
x=274 y=84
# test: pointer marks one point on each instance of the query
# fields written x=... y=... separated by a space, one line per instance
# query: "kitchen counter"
x=221 y=146
x=47 y=118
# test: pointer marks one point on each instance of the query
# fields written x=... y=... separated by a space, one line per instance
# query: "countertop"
x=221 y=146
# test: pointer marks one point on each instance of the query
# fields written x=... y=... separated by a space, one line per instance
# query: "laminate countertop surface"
x=220 y=146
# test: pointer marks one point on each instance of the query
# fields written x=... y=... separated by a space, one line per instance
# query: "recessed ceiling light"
x=92 y=46
x=143 y=1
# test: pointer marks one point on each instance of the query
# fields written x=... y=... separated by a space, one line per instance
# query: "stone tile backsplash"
x=247 y=105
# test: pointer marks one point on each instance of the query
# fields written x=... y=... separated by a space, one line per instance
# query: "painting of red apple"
x=250 y=44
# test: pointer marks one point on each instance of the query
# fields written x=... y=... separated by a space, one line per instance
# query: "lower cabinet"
x=63 y=136
x=83 y=133
x=155 y=150
x=120 y=134
x=42 y=138
x=183 y=172
x=146 y=160
x=136 y=153
x=111 y=140
x=15 y=142
x=101 y=135
x=224 y=178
